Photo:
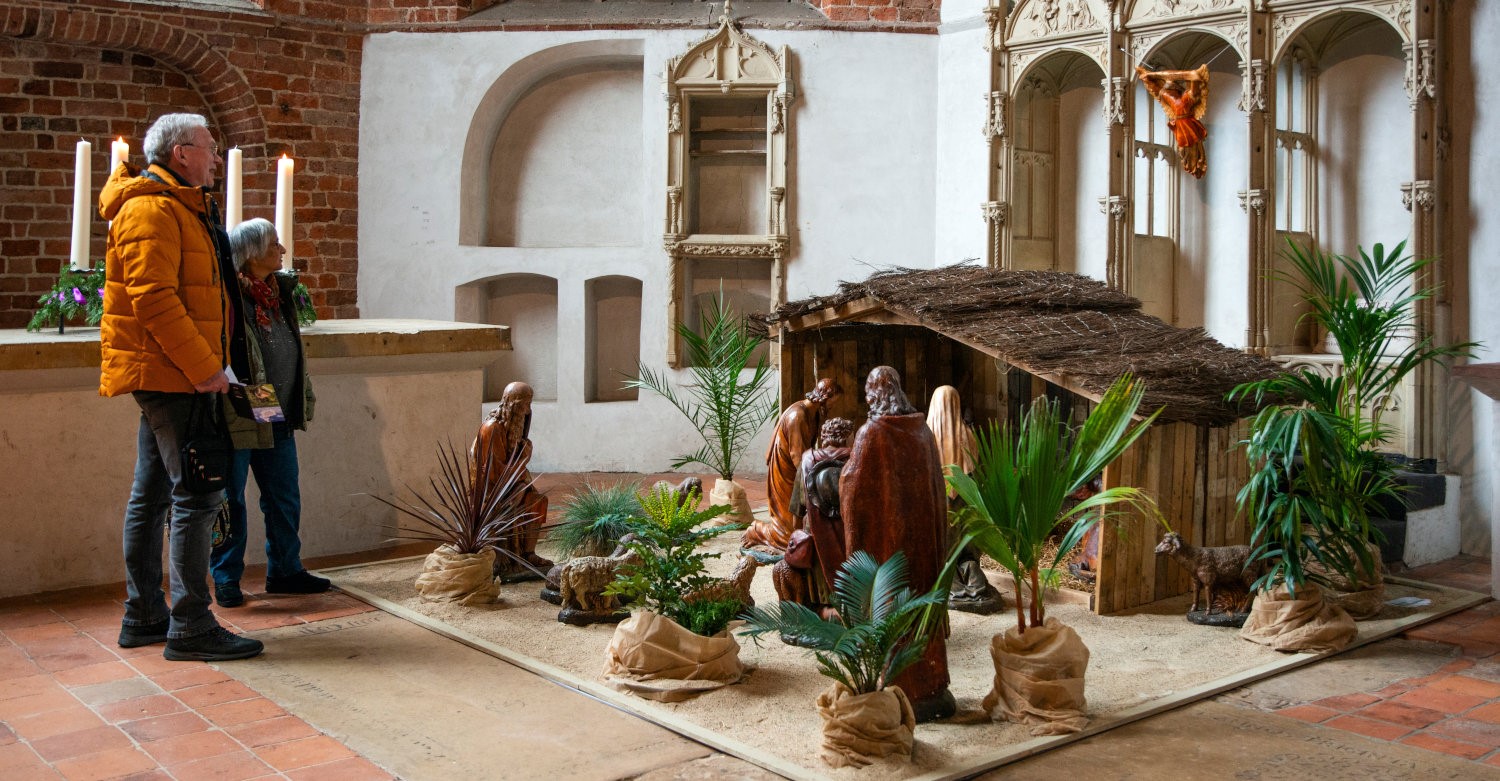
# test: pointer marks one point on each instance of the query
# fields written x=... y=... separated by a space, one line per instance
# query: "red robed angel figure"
x=1183 y=96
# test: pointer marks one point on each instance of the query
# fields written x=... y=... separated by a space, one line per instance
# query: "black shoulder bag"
x=205 y=449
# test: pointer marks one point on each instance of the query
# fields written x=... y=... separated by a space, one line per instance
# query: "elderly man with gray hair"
x=165 y=340
x=267 y=357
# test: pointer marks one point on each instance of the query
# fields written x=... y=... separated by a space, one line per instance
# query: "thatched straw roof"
x=1070 y=329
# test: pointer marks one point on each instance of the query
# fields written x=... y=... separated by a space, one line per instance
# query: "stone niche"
x=728 y=129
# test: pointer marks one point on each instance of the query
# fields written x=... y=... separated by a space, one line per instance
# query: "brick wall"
x=268 y=82
x=921 y=12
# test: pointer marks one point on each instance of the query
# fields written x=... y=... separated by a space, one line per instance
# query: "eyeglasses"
x=214 y=149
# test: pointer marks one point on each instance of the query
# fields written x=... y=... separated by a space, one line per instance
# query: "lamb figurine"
x=1226 y=568
x=582 y=580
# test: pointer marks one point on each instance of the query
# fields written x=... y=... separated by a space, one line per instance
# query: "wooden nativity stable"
x=1004 y=338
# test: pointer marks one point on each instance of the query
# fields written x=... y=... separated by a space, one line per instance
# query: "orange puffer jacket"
x=165 y=306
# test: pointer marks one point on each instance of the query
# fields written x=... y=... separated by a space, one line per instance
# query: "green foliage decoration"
x=881 y=629
x=470 y=508
x=726 y=410
x=78 y=294
x=1023 y=478
x=671 y=567
x=1316 y=475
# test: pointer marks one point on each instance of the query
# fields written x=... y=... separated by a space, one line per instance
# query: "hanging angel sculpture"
x=1183 y=96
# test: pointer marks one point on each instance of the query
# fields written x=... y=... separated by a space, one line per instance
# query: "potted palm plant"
x=1012 y=501
x=1316 y=476
x=881 y=628
x=675 y=643
x=470 y=513
x=726 y=408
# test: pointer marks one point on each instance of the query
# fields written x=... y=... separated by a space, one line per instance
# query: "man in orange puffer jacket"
x=164 y=336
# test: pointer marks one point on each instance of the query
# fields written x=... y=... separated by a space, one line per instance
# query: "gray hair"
x=251 y=239
x=168 y=131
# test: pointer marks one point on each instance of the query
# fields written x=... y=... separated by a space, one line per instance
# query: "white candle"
x=83 y=190
x=119 y=151
x=284 y=168
x=234 y=189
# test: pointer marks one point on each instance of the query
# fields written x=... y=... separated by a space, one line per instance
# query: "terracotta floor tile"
x=44 y=725
x=27 y=687
x=1457 y=749
x=154 y=664
x=1493 y=760
x=147 y=775
x=168 y=726
x=214 y=693
x=36 y=703
x=102 y=672
x=1347 y=702
x=277 y=730
x=29 y=636
x=181 y=677
x=1368 y=727
x=74 y=642
x=1402 y=713
x=252 y=622
x=303 y=753
x=1456 y=666
x=1308 y=713
x=1474 y=687
x=7 y=735
x=190 y=747
x=14 y=663
x=18 y=761
x=82 y=656
x=1440 y=700
x=140 y=708
x=1481 y=650
x=100 y=694
x=17 y=617
x=351 y=769
x=340 y=612
x=106 y=764
x=235 y=766
x=79 y=743
x=231 y=713
x=1392 y=690
x=1468 y=731
x=1487 y=713
x=131 y=654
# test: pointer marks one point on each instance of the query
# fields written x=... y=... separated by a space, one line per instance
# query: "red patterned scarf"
x=263 y=299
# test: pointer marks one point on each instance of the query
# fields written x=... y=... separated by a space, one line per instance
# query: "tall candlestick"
x=284 y=207
x=234 y=189
x=119 y=152
x=83 y=189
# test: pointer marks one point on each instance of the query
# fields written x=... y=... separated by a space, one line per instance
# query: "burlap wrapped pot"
x=1039 y=678
x=1306 y=624
x=465 y=578
x=859 y=728
x=654 y=657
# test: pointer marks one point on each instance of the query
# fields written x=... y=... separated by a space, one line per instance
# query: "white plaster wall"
x=1213 y=261
x=962 y=155
x=860 y=191
x=1365 y=145
x=1476 y=124
x=1083 y=162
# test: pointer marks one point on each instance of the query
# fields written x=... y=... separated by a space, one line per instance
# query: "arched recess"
x=1059 y=166
x=510 y=89
x=1186 y=229
x=528 y=304
x=223 y=87
x=612 y=337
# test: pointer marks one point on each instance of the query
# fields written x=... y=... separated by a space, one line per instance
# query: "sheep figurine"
x=1225 y=569
x=582 y=580
x=736 y=586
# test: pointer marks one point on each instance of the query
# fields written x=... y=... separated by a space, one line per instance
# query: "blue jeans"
x=157 y=497
x=280 y=502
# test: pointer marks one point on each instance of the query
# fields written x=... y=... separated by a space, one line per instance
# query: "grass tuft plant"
x=595 y=518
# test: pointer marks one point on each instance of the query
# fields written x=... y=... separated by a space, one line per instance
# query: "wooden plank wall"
x=925 y=359
x=1193 y=473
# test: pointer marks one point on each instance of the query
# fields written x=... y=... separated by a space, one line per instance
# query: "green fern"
x=671 y=566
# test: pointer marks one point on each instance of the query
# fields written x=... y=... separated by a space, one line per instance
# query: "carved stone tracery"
x=1420 y=193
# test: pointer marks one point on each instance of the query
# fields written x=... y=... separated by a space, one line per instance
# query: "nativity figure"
x=796 y=431
x=504 y=438
x=1183 y=96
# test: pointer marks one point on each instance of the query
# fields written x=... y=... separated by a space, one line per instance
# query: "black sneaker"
x=150 y=634
x=228 y=594
x=303 y=582
x=218 y=645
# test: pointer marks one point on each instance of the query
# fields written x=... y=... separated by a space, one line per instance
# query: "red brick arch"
x=223 y=87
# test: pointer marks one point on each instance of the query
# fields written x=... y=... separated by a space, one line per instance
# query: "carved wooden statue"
x=504 y=438
x=893 y=498
x=1183 y=96
x=796 y=431
x=805 y=575
x=971 y=591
